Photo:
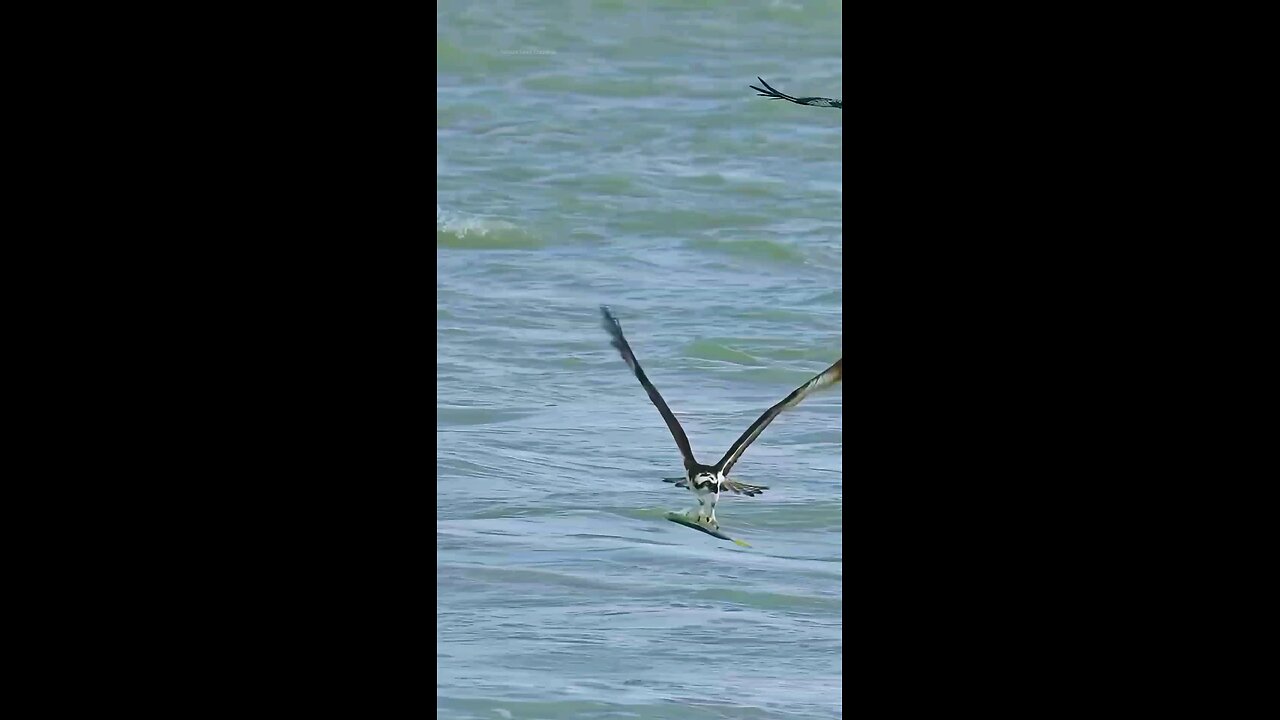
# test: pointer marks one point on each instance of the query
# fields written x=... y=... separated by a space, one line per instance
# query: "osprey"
x=708 y=481
x=814 y=101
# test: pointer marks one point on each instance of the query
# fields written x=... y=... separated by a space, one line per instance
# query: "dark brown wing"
x=776 y=95
x=614 y=328
x=827 y=377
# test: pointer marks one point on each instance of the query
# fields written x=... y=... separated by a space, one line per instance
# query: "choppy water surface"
x=611 y=152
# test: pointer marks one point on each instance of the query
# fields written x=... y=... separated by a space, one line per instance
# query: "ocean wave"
x=455 y=230
x=710 y=350
x=762 y=250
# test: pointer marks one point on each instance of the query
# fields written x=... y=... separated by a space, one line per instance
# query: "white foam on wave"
x=461 y=224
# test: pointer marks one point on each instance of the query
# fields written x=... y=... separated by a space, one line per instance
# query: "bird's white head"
x=705 y=481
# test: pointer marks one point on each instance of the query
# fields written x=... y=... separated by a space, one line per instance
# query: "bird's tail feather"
x=738 y=488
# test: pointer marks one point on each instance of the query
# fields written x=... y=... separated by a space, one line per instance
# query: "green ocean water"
x=611 y=153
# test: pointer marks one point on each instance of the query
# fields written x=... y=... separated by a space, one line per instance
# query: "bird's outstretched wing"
x=814 y=101
x=614 y=329
x=830 y=376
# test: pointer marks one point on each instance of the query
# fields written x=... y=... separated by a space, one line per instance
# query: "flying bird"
x=814 y=101
x=708 y=481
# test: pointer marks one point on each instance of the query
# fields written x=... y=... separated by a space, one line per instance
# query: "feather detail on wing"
x=830 y=376
x=776 y=95
x=738 y=488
